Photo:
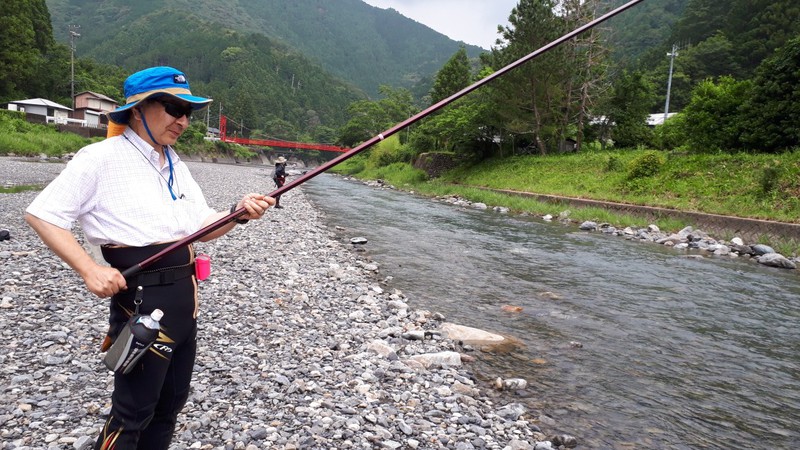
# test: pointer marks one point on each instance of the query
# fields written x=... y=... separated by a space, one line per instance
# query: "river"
x=675 y=352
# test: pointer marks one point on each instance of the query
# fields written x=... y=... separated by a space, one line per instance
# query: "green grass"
x=21 y=188
x=760 y=186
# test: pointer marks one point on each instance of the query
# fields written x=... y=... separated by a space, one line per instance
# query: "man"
x=279 y=177
x=133 y=196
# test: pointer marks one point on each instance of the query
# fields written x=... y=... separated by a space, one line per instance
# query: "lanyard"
x=165 y=148
x=171 y=181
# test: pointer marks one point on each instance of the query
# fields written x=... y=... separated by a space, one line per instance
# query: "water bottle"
x=136 y=337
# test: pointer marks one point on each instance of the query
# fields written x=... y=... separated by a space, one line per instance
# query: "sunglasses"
x=177 y=111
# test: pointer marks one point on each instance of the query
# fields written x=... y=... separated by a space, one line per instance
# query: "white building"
x=52 y=111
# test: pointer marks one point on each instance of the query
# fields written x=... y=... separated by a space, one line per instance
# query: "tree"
x=772 y=113
x=368 y=117
x=711 y=121
x=25 y=40
x=531 y=94
x=550 y=98
x=454 y=76
x=627 y=109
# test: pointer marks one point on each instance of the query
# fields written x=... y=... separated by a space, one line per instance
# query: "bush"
x=671 y=134
x=645 y=165
x=390 y=151
x=614 y=164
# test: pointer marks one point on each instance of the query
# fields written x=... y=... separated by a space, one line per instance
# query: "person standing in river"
x=279 y=177
x=133 y=196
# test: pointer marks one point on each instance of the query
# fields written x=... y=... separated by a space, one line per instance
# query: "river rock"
x=761 y=249
x=776 y=260
x=469 y=335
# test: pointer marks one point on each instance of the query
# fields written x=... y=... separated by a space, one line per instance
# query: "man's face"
x=167 y=118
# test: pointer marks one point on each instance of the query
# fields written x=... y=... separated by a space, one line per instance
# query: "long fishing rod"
x=375 y=139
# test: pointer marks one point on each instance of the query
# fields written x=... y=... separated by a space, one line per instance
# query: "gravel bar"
x=299 y=345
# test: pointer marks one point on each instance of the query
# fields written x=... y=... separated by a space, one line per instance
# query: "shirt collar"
x=144 y=145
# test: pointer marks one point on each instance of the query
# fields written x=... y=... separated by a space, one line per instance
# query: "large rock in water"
x=776 y=260
x=479 y=338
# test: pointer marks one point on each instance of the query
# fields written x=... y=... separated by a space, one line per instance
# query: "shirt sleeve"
x=70 y=194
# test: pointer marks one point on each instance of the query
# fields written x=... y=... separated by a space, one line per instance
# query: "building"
x=91 y=107
x=657 y=119
x=50 y=111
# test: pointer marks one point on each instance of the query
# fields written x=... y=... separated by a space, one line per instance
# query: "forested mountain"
x=361 y=44
x=649 y=24
x=719 y=38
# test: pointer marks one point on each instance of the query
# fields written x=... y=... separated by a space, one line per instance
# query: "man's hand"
x=104 y=281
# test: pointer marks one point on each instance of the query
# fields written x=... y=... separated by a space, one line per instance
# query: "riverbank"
x=299 y=345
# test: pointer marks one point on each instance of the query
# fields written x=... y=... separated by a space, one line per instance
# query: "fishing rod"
x=133 y=270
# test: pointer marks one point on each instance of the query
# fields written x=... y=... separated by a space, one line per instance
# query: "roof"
x=657 y=119
x=40 y=102
x=100 y=96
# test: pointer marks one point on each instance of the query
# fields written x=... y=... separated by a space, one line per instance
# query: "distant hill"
x=643 y=28
x=363 y=45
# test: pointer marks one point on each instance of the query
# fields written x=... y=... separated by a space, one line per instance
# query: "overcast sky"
x=472 y=21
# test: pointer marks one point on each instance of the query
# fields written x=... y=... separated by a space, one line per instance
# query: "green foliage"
x=388 y=151
x=369 y=118
x=352 y=166
x=397 y=174
x=454 y=76
x=193 y=138
x=771 y=115
x=25 y=40
x=770 y=179
x=712 y=121
x=242 y=152
x=628 y=108
x=671 y=134
x=535 y=95
x=14 y=122
x=455 y=128
x=353 y=41
x=641 y=28
x=26 y=139
x=646 y=164
x=614 y=164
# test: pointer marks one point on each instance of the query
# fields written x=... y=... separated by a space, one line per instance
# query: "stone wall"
x=436 y=163
x=751 y=230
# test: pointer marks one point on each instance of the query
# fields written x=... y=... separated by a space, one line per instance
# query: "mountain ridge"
x=363 y=45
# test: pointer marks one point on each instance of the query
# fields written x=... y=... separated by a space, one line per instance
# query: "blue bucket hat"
x=155 y=82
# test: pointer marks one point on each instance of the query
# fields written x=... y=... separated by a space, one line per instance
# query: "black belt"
x=167 y=275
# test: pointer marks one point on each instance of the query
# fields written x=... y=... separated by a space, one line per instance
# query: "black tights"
x=147 y=400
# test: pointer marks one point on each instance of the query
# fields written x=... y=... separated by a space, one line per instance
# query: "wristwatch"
x=238 y=220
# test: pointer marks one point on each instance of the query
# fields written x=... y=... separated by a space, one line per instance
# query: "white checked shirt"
x=118 y=193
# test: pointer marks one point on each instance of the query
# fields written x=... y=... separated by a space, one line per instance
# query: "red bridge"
x=223 y=127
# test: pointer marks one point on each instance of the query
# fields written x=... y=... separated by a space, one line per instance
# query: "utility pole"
x=672 y=56
x=73 y=34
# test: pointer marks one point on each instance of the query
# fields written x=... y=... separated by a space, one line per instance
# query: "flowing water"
x=677 y=352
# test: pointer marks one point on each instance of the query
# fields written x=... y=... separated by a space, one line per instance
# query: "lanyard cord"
x=171 y=180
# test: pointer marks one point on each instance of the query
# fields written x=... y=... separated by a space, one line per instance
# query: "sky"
x=472 y=21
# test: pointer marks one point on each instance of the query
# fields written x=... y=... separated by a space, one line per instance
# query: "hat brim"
x=122 y=114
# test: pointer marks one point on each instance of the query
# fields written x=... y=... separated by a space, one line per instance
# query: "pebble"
x=299 y=346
